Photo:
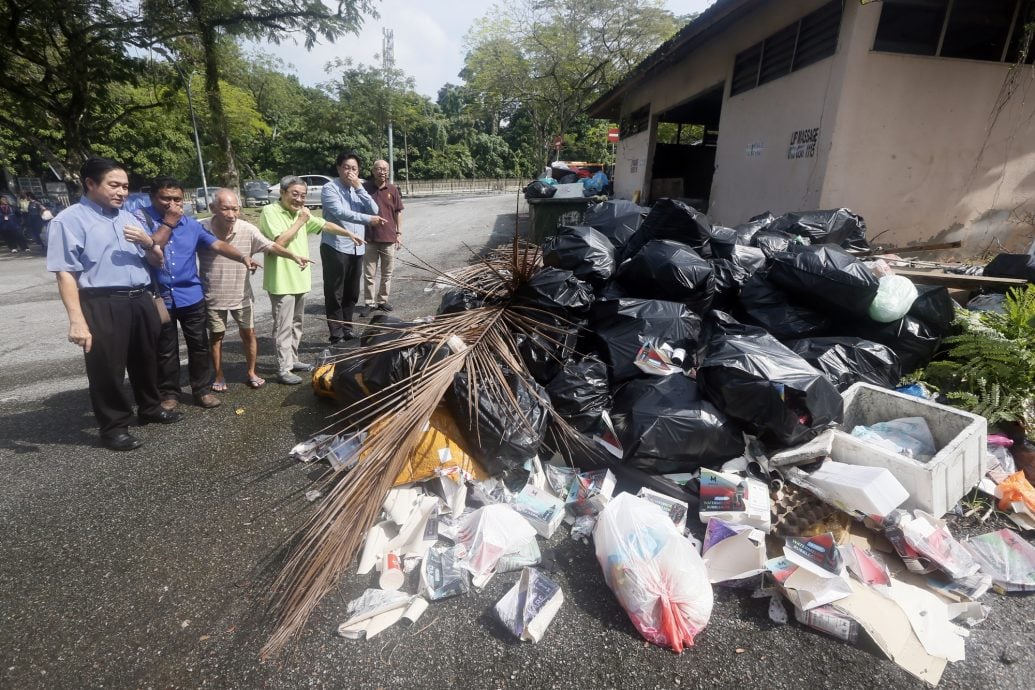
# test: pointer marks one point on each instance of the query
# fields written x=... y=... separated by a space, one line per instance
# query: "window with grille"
x=806 y=41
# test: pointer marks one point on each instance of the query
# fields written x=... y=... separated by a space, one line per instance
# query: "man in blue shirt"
x=176 y=274
x=348 y=204
x=105 y=287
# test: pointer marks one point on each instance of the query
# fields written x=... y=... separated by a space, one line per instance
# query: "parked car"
x=312 y=196
x=255 y=192
x=202 y=198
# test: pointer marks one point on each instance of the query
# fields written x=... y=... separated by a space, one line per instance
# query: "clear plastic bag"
x=909 y=436
x=658 y=577
x=489 y=533
x=895 y=296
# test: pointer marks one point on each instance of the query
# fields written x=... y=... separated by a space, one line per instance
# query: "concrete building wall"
x=709 y=65
x=921 y=152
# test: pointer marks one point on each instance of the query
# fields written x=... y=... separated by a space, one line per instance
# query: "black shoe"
x=347 y=335
x=385 y=307
x=335 y=339
x=160 y=417
x=363 y=312
x=123 y=441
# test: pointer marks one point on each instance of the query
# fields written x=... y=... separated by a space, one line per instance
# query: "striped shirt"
x=226 y=282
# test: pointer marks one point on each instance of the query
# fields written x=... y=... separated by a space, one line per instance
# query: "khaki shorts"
x=217 y=319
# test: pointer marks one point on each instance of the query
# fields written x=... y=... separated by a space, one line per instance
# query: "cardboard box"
x=590 y=492
x=530 y=605
x=675 y=509
x=735 y=499
x=543 y=510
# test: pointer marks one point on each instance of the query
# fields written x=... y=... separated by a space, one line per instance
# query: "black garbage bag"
x=845 y=360
x=585 y=252
x=772 y=242
x=665 y=426
x=539 y=190
x=746 y=231
x=580 y=393
x=827 y=276
x=729 y=277
x=612 y=289
x=751 y=258
x=671 y=219
x=386 y=368
x=763 y=304
x=912 y=340
x=753 y=378
x=554 y=290
x=456 y=301
x=498 y=434
x=837 y=226
x=544 y=355
x=372 y=335
x=934 y=308
x=348 y=381
x=669 y=270
x=622 y=326
x=723 y=242
x=616 y=219
x=1011 y=266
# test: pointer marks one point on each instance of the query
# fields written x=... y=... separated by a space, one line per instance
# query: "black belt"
x=116 y=291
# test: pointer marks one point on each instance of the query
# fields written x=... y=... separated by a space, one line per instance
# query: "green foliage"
x=989 y=367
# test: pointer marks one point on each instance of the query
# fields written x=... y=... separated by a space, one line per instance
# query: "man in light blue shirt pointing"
x=346 y=203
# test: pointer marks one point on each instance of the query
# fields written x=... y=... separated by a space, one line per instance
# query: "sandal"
x=219 y=386
x=256 y=382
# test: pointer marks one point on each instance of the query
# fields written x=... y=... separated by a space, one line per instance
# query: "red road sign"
x=612 y=135
x=558 y=142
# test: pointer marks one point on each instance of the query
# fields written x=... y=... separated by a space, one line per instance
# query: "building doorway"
x=684 y=151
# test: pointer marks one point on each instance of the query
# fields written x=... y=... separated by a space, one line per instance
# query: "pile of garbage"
x=745 y=375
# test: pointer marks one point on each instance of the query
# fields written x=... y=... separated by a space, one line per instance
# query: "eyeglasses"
x=296 y=195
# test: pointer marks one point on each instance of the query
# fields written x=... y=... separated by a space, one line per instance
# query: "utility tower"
x=388 y=62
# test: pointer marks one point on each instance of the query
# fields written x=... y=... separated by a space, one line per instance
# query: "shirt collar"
x=96 y=208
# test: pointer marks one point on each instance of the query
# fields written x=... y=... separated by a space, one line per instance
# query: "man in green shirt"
x=289 y=223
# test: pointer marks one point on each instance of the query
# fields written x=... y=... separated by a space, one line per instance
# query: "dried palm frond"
x=478 y=342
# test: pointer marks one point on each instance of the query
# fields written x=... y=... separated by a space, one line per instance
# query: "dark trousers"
x=341 y=275
x=16 y=240
x=125 y=338
x=193 y=321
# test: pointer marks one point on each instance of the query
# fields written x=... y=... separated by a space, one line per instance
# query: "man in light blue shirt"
x=105 y=287
x=346 y=203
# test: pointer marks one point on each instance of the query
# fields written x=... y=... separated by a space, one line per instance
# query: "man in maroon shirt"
x=382 y=240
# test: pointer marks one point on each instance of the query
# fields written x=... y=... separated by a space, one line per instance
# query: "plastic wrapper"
x=616 y=219
x=537 y=189
x=752 y=377
x=348 y=381
x=1007 y=558
x=908 y=436
x=838 y=226
x=586 y=252
x=1016 y=489
x=845 y=361
x=580 y=392
x=671 y=219
x=763 y=304
x=665 y=267
x=490 y=532
x=527 y=609
x=931 y=538
x=895 y=296
x=827 y=276
x=456 y=301
x=666 y=427
x=657 y=576
x=384 y=369
x=495 y=432
x=442 y=574
x=555 y=290
x=623 y=326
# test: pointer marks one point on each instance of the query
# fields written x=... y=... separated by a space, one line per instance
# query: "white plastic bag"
x=895 y=296
x=490 y=532
x=658 y=577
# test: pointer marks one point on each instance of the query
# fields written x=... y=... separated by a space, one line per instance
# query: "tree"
x=553 y=58
x=61 y=62
x=198 y=27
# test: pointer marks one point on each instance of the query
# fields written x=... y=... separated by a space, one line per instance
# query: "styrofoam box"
x=959 y=436
x=571 y=190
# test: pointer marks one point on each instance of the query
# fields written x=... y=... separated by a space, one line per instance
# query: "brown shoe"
x=169 y=404
x=208 y=401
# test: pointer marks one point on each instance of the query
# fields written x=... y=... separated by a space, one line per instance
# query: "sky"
x=428 y=40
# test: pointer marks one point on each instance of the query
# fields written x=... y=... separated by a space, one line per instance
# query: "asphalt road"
x=150 y=569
